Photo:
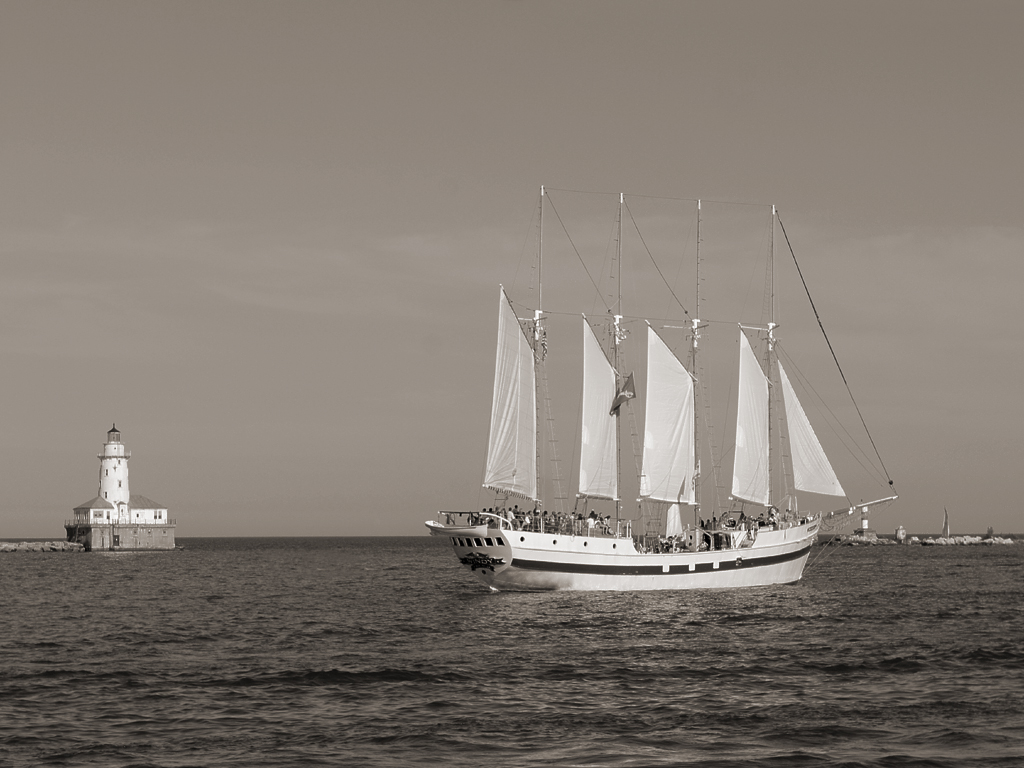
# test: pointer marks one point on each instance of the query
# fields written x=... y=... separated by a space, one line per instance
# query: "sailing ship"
x=516 y=544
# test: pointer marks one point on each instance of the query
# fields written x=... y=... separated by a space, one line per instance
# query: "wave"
x=337 y=677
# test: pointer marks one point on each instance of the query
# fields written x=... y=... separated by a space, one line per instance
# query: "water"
x=383 y=652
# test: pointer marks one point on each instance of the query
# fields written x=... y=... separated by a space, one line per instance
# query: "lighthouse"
x=114 y=475
x=115 y=519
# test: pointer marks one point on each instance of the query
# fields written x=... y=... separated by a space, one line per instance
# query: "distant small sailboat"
x=945 y=523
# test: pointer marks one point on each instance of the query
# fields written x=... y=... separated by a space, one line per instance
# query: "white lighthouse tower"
x=114 y=475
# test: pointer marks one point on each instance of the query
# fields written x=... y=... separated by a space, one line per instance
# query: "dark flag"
x=626 y=392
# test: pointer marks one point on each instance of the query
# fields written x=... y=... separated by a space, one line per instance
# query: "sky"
x=265 y=238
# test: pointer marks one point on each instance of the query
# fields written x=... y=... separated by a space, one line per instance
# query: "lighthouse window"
x=104 y=494
x=118 y=483
x=106 y=472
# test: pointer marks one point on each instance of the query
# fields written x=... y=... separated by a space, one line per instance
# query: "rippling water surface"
x=382 y=652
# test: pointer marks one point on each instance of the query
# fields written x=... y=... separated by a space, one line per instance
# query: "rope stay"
x=597 y=289
x=650 y=255
x=832 y=351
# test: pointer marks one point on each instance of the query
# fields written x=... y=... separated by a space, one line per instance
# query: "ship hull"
x=508 y=560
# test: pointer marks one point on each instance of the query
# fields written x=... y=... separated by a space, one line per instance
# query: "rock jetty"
x=41 y=546
x=961 y=540
x=855 y=540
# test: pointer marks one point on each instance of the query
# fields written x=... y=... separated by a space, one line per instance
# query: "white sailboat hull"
x=508 y=560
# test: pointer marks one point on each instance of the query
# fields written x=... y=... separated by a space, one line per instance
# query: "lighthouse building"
x=115 y=519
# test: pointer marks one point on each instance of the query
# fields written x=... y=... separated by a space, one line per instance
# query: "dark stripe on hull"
x=656 y=570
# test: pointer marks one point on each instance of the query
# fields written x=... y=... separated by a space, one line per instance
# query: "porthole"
x=584 y=543
x=554 y=541
x=613 y=546
x=522 y=538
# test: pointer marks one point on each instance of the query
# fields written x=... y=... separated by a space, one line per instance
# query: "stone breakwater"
x=41 y=546
x=854 y=540
x=953 y=540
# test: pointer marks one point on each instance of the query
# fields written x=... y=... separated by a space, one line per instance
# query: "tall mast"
x=540 y=252
x=693 y=367
x=615 y=357
x=538 y=342
x=771 y=343
x=771 y=267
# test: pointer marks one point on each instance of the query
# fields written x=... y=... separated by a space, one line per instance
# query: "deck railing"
x=695 y=539
x=565 y=525
x=108 y=523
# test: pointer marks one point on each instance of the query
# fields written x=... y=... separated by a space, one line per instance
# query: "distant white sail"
x=512 y=450
x=750 y=466
x=668 y=462
x=812 y=471
x=598 y=475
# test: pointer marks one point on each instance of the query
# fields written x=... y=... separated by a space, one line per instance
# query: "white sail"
x=750 y=466
x=812 y=471
x=668 y=462
x=674 y=521
x=598 y=472
x=512 y=449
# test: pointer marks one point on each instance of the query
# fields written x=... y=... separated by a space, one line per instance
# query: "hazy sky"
x=265 y=239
